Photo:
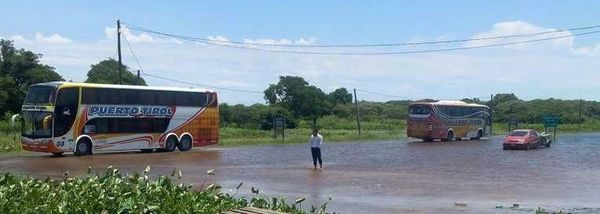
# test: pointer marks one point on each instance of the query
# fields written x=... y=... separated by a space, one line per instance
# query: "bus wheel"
x=84 y=147
x=185 y=144
x=170 y=144
x=450 y=136
x=479 y=135
x=57 y=154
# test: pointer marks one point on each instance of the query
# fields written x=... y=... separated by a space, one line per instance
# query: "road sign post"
x=279 y=124
x=551 y=122
x=513 y=122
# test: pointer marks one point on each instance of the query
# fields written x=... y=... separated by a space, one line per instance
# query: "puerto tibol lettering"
x=129 y=111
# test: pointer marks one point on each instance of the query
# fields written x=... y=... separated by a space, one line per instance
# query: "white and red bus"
x=84 y=118
x=448 y=120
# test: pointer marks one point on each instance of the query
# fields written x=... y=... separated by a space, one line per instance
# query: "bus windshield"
x=40 y=95
x=37 y=124
x=419 y=109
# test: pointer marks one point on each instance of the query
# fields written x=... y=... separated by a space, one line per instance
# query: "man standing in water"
x=316 y=140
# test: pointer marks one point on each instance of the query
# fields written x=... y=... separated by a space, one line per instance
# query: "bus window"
x=419 y=110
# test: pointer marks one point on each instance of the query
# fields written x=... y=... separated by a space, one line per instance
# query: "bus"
x=83 y=118
x=448 y=120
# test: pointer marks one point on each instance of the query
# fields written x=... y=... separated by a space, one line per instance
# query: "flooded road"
x=377 y=177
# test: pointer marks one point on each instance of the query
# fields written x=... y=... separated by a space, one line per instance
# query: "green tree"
x=297 y=96
x=340 y=96
x=19 y=69
x=107 y=72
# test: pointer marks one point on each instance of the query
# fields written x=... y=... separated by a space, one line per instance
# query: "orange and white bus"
x=84 y=118
x=448 y=120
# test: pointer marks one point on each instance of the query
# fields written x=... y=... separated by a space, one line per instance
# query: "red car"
x=521 y=139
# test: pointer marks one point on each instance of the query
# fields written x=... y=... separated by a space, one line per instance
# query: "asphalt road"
x=376 y=177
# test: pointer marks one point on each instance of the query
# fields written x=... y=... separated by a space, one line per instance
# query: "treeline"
x=504 y=106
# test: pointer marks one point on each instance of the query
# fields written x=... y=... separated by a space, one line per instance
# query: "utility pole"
x=356 y=109
x=491 y=114
x=580 y=107
x=119 y=48
x=138 y=73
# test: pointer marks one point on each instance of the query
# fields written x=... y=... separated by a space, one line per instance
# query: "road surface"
x=397 y=176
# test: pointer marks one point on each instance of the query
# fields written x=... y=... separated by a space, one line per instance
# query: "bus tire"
x=479 y=135
x=450 y=136
x=170 y=144
x=84 y=147
x=185 y=144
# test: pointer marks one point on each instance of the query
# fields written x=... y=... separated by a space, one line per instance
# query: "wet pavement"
x=377 y=177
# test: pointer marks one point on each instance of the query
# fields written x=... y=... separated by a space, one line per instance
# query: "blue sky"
x=74 y=34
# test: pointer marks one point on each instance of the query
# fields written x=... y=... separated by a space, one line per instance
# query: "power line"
x=381 y=94
x=200 y=85
x=407 y=52
x=134 y=27
x=133 y=53
x=372 y=53
x=411 y=98
x=180 y=81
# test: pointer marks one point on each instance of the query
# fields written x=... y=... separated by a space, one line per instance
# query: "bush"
x=115 y=193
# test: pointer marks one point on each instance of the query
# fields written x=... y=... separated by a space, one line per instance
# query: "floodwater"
x=377 y=177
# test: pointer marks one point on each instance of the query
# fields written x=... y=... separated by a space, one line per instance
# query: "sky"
x=72 y=35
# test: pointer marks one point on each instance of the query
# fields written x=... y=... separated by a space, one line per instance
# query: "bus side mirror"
x=14 y=119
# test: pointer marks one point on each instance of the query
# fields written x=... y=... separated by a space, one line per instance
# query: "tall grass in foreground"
x=113 y=192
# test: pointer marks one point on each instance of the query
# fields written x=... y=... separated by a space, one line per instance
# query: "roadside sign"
x=279 y=124
x=513 y=123
x=551 y=121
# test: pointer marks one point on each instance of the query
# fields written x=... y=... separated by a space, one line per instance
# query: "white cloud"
x=522 y=27
x=52 y=39
x=562 y=73
x=111 y=33
x=593 y=50
x=218 y=38
x=300 y=41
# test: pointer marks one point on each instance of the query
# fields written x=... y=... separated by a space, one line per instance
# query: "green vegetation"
x=107 y=72
x=113 y=192
x=19 y=69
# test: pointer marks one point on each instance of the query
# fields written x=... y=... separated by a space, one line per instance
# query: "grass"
x=113 y=192
x=237 y=136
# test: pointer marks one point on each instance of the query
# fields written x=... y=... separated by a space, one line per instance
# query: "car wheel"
x=504 y=147
x=83 y=147
x=185 y=144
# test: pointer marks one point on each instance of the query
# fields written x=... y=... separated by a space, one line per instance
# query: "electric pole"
x=356 y=109
x=580 y=119
x=119 y=48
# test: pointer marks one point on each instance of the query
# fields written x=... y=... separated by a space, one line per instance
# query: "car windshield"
x=519 y=133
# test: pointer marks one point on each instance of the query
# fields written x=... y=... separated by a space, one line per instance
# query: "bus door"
x=65 y=112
